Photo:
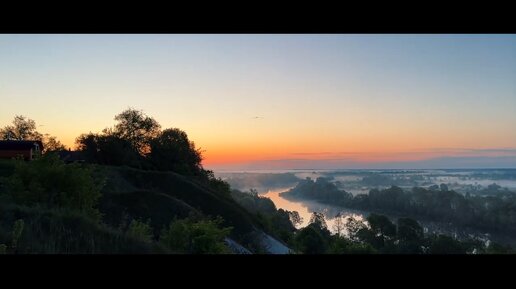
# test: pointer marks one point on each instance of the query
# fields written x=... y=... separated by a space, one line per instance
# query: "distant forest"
x=492 y=213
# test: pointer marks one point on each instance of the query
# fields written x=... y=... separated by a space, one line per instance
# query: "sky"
x=279 y=101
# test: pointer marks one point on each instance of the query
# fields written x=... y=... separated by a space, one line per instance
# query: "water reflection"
x=305 y=208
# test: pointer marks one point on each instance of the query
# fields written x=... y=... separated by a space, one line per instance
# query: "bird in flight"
x=256 y=117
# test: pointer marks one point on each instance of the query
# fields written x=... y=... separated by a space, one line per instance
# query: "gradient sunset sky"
x=279 y=101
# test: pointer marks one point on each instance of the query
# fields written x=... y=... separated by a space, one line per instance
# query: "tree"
x=409 y=230
x=137 y=128
x=52 y=144
x=22 y=128
x=354 y=227
x=108 y=149
x=295 y=218
x=410 y=235
x=380 y=234
x=88 y=145
x=309 y=240
x=442 y=244
x=382 y=226
x=172 y=150
x=339 y=226
x=317 y=220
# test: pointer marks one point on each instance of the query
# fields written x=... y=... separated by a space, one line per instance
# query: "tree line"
x=377 y=234
x=495 y=213
x=136 y=140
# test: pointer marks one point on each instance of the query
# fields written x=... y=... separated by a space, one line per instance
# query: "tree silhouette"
x=339 y=225
x=295 y=218
x=137 y=128
x=172 y=150
x=22 y=128
x=52 y=144
x=317 y=219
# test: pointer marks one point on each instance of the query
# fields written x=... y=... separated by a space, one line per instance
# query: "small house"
x=26 y=149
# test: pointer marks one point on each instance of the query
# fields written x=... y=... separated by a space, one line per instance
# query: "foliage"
x=317 y=220
x=49 y=182
x=490 y=213
x=321 y=190
x=171 y=150
x=140 y=230
x=51 y=144
x=295 y=218
x=310 y=240
x=137 y=141
x=193 y=236
x=354 y=227
x=342 y=245
x=22 y=128
x=137 y=128
x=108 y=150
x=277 y=222
x=65 y=231
x=377 y=234
x=442 y=244
x=410 y=235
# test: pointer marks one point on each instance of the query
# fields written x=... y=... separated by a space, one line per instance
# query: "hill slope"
x=161 y=196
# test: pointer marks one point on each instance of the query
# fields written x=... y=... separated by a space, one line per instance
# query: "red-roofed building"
x=26 y=149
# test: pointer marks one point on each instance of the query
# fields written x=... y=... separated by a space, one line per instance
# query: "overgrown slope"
x=161 y=196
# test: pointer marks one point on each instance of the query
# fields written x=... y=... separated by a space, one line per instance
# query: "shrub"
x=140 y=230
x=50 y=182
x=196 y=236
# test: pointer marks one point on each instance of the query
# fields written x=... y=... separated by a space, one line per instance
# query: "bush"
x=49 y=182
x=62 y=231
x=140 y=230
x=196 y=236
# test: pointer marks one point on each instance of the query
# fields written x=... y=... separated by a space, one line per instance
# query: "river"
x=305 y=208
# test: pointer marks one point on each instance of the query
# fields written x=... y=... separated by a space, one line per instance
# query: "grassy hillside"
x=52 y=231
x=128 y=194
x=161 y=196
